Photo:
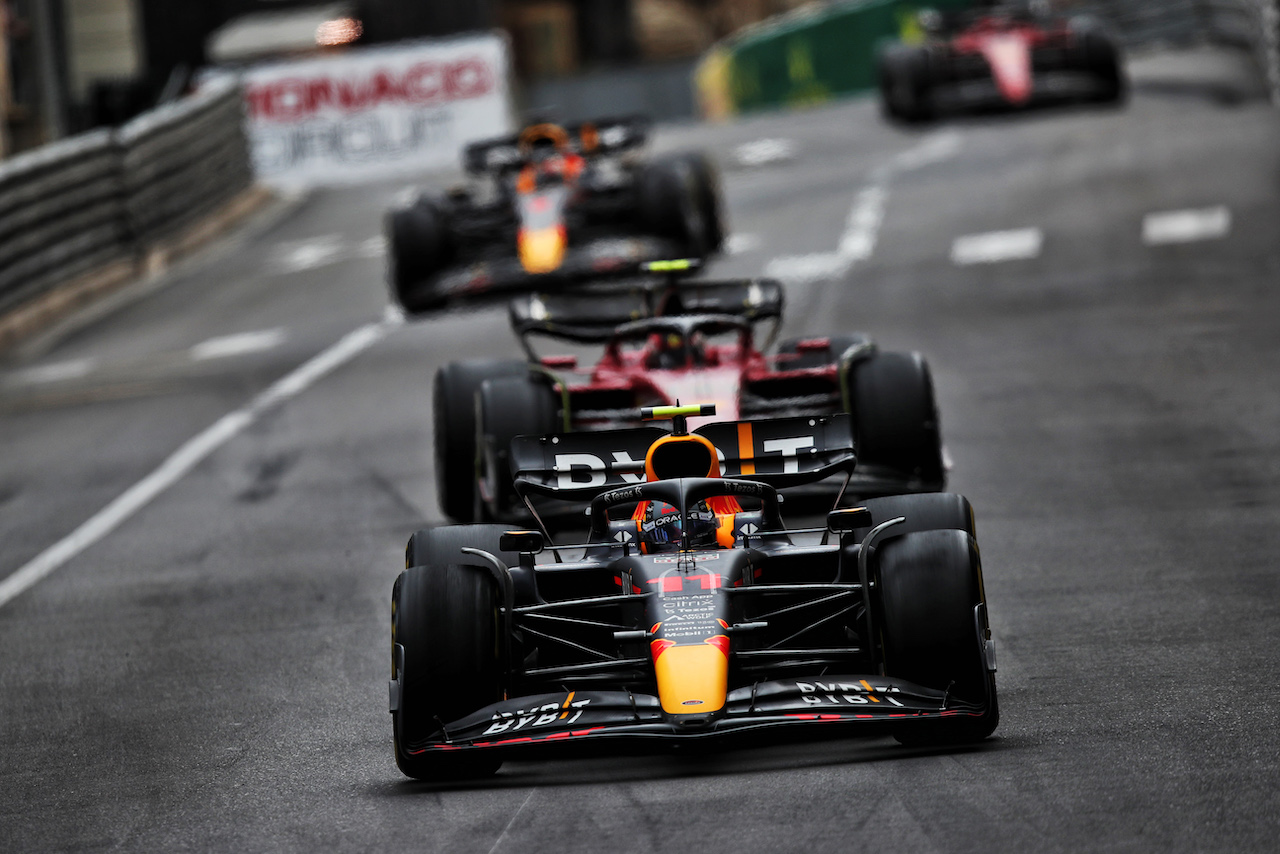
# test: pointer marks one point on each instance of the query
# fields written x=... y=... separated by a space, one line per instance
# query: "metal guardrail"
x=74 y=206
x=1250 y=24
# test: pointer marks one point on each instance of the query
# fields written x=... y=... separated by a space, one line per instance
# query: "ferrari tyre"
x=895 y=415
x=445 y=641
x=906 y=87
x=454 y=418
x=418 y=246
x=507 y=407
x=1099 y=56
x=930 y=589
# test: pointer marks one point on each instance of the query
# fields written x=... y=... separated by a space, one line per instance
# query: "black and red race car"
x=1002 y=55
x=549 y=207
x=691 y=341
x=690 y=613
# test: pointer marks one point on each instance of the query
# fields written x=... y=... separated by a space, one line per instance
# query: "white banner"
x=376 y=112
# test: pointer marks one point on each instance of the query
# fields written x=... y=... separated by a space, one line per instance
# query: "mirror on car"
x=526 y=542
x=842 y=521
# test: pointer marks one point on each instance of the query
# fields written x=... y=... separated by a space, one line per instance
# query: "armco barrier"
x=815 y=54
x=77 y=205
x=60 y=214
x=183 y=160
x=1250 y=24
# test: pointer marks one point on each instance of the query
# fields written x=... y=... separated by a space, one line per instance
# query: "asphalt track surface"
x=209 y=673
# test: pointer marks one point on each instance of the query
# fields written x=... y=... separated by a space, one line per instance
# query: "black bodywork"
x=623 y=211
x=811 y=641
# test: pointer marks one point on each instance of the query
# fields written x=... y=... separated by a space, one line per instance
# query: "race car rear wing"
x=593 y=317
x=607 y=136
x=782 y=452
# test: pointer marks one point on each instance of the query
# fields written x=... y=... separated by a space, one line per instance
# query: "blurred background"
x=71 y=65
x=193 y=293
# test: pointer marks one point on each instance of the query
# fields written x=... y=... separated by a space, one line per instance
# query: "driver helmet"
x=672 y=351
x=662 y=527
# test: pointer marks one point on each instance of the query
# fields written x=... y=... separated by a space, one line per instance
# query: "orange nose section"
x=692 y=679
x=542 y=250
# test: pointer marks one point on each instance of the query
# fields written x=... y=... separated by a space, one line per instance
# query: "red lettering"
x=352 y=96
x=294 y=99
x=287 y=100
x=423 y=83
x=469 y=78
x=386 y=89
x=320 y=94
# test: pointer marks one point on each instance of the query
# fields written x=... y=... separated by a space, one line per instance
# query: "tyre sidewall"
x=445 y=619
x=454 y=418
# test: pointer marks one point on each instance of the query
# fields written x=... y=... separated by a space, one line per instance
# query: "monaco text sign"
x=377 y=112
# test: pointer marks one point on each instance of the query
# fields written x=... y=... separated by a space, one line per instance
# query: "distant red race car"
x=694 y=341
x=1006 y=55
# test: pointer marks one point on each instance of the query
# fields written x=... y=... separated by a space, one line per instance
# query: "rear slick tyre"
x=507 y=407
x=895 y=416
x=454 y=417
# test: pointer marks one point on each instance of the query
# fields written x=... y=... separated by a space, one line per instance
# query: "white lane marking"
x=238 y=344
x=54 y=372
x=1186 y=226
x=297 y=256
x=187 y=457
x=739 y=244
x=863 y=225
x=762 y=152
x=507 y=829
x=937 y=148
x=866 y=216
x=996 y=246
x=374 y=247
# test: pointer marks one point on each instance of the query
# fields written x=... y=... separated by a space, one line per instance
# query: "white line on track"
x=507 y=829
x=1186 y=226
x=762 y=152
x=862 y=227
x=996 y=246
x=739 y=244
x=238 y=344
x=187 y=457
x=299 y=255
x=54 y=372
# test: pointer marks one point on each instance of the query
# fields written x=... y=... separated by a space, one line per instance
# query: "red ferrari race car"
x=550 y=207
x=692 y=341
x=1004 y=55
x=690 y=614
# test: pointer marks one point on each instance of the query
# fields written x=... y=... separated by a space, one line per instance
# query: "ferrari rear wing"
x=592 y=317
x=781 y=452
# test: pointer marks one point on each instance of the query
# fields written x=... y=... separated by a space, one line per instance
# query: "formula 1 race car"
x=552 y=207
x=694 y=340
x=692 y=613
x=1004 y=55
